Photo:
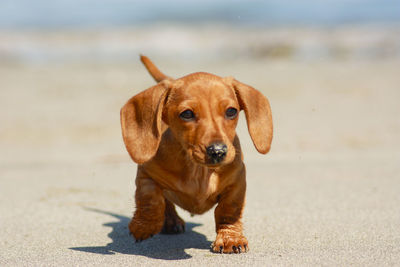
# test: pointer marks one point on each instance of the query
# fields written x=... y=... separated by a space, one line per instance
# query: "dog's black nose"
x=217 y=152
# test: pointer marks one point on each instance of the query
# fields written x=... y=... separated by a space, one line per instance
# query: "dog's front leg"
x=150 y=205
x=228 y=215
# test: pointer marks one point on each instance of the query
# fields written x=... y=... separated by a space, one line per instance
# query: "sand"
x=328 y=193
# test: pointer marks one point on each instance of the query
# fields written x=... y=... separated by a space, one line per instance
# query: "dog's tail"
x=153 y=70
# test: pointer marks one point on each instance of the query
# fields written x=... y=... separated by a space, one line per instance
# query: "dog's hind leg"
x=173 y=224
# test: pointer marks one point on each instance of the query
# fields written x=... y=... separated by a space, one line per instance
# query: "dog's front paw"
x=142 y=230
x=228 y=241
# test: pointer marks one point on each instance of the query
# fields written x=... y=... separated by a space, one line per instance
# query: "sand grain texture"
x=328 y=193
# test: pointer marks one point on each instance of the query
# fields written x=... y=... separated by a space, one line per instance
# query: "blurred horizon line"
x=196 y=43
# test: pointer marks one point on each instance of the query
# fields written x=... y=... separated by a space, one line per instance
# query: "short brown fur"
x=174 y=167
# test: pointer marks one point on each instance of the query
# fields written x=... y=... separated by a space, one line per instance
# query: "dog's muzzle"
x=217 y=152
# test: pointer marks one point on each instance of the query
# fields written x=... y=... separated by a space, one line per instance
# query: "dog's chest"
x=197 y=193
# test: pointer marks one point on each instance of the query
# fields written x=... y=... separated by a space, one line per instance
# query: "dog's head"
x=201 y=110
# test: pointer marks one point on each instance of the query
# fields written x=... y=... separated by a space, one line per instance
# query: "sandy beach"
x=327 y=194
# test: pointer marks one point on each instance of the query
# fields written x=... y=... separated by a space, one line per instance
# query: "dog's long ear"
x=141 y=119
x=258 y=115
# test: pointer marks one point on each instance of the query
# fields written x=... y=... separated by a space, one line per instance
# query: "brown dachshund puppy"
x=182 y=134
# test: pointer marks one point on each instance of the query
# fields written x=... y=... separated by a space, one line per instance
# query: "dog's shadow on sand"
x=167 y=247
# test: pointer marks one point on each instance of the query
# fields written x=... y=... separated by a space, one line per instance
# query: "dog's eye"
x=231 y=113
x=187 y=115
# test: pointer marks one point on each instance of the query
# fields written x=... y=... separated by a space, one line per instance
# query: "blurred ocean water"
x=118 y=30
x=116 y=13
